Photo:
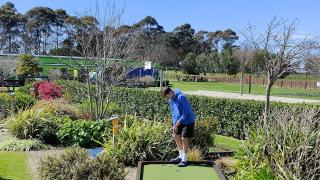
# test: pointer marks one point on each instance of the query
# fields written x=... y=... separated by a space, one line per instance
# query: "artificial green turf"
x=173 y=172
x=14 y=165
x=255 y=89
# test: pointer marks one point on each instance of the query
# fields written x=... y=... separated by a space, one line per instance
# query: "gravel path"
x=249 y=96
x=1 y=136
x=132 y=171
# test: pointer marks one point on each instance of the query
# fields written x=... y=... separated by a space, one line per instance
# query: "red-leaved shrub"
x=47 y=90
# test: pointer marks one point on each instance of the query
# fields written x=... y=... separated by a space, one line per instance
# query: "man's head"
x=167 y=92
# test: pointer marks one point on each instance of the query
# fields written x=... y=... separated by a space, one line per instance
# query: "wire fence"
x=283 y=83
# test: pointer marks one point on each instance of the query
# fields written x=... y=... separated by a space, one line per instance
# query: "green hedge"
x=232 y=115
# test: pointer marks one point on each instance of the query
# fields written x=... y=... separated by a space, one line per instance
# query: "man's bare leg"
x=185 y=146
x=178 y=140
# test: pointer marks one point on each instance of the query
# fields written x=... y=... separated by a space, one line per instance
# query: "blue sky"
x=207 y=15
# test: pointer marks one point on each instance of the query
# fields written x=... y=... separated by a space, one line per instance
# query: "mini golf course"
x=158 y=170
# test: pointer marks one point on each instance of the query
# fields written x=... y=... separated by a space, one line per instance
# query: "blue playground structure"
x=141 y=72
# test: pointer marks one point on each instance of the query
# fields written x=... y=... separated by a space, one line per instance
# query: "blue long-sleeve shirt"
x=181 y=109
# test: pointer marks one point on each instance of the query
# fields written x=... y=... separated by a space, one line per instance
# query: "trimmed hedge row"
x=232 y=115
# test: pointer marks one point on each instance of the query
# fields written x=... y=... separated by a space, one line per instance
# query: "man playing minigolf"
x=182 y=121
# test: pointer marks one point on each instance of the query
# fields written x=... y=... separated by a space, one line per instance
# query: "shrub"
x=27 y=66
x=84 y=133
x=25 y=89
x=148 y=80
x=34 y=123
x=14 y=144
x=75 y=163
x=60 y=107
x=195 y=154
x=203 y=132
x=23 y=101
x=141 y=140
x=57 y=74
x=19 y=101
x=74 y=91
x=47 y=90
x=111 y=109
x=287 y=145
x=5 y=105
x=227 y=165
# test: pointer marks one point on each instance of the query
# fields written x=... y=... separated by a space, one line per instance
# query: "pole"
x=115 y=127
x=161 y=78
x=249 y=84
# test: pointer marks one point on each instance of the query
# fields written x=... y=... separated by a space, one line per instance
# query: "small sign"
x=318 y=84
x=147 y=65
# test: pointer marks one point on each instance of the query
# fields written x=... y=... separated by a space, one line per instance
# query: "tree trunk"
x=10 y=43
x=267 y=102
x=57 y=40
x=45 y=43
x=39 y=43
x=89 y=95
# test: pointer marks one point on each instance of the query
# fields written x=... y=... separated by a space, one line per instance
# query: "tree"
x=60 y=16
x=189 y=64
x=150 y=37
x=220 y=40
x=27 y=66
x=202 y=43
x=256 y=63
x=282 y=53
x=39 y=21
x=9 y=23
x=243 y=57
x=312 y=65
x=204 y=63
x=106 y=50
x=182 y=40
x=229 y=64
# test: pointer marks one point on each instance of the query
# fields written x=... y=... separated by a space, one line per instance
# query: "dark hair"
x=166 y=90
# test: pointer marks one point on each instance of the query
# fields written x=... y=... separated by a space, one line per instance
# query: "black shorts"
x=186 y=130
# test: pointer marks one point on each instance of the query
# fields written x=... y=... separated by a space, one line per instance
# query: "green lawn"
x=14 y=165
x=255 y=89
x=295 y=76
x=226 y=142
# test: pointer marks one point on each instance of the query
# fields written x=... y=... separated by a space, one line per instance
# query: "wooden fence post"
x=305 y=85
x=249 y=84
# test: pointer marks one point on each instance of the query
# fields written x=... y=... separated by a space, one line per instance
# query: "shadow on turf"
x=4 y=179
